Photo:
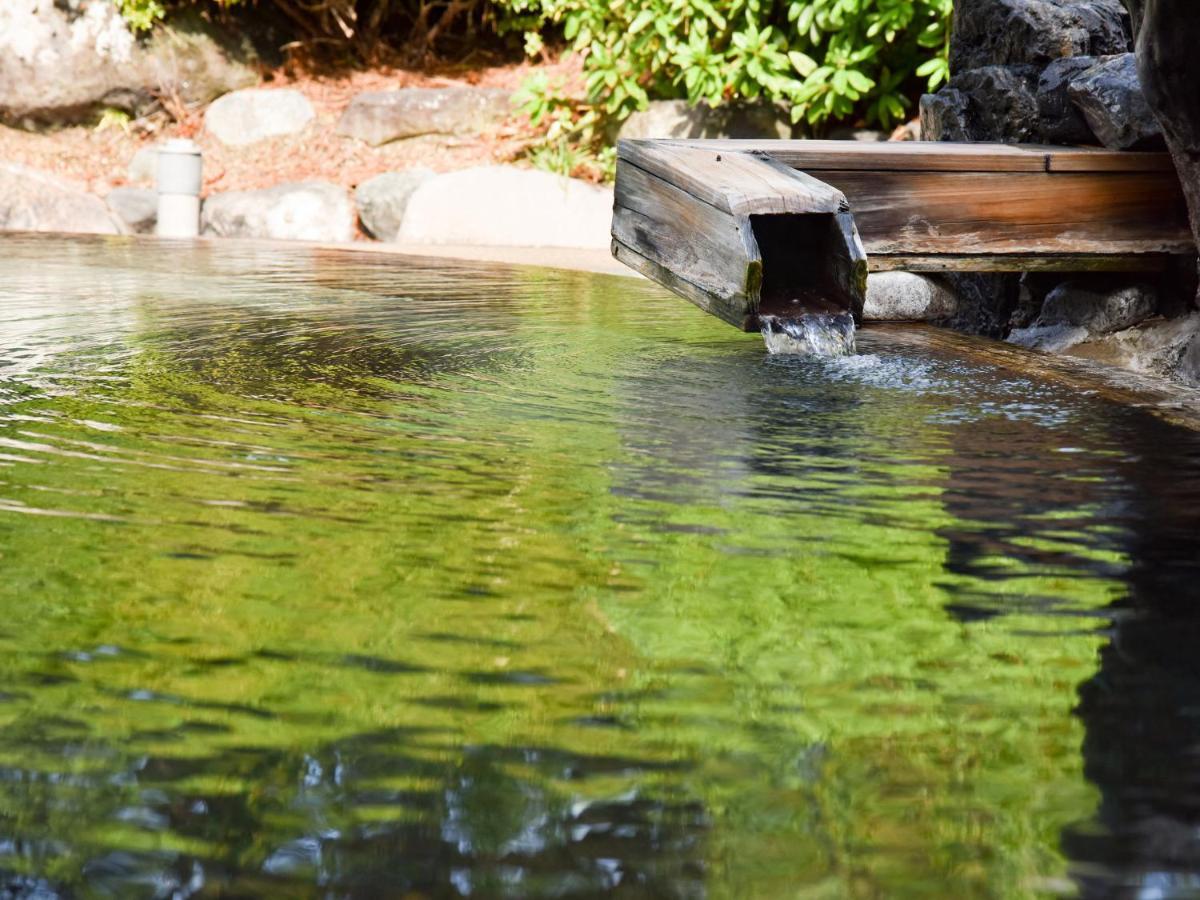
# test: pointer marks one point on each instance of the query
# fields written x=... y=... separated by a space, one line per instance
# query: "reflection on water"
x=333 y=575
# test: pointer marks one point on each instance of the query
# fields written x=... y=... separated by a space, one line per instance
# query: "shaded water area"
x=339 y=575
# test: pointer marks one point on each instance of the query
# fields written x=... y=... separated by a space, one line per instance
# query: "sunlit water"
x=812 y=334
x=335 y=575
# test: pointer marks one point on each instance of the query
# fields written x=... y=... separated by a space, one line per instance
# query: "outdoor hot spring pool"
x=332 y=574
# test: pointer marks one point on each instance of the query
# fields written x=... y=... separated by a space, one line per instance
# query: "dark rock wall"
x=1064 y=72
x=1168 y=57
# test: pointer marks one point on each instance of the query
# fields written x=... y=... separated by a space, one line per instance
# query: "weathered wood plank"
x=735 y=315
x=740 y=184
x=1016 y=213
x=931 y=156
x=1146 y=262
x=701 y=244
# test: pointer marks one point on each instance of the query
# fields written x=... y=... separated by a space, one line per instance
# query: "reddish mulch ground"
x=98 y=159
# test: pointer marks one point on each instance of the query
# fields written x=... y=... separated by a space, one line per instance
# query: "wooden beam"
x=712 y=250
x=932 y=156
x=741 y=184
x=989 y=262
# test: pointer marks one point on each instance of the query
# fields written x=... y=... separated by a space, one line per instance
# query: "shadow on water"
x=1012 y=501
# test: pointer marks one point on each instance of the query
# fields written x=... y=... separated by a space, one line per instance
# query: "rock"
x=944 y=116
x=1077 y=304
x=379 y=117
x=1016 y=32
x=136 y=207
x=64 y=62
x=381 y=201
x=986 y=302
x=1168 y=348
x=679 y=119
x=866 y=135
x=247 y=117
x=1059 y=120
x=1166 y=54
x=994 y=103
x=1110 y=97
x=907 y=297
x=909 y=131
x=508 y=206
x=36 y=201
x=143 y=168
x=305 y=211
x=1048 y=338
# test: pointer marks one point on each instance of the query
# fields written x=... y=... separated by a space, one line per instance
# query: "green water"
x=332 y=575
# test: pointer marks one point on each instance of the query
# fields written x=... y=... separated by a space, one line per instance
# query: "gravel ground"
x=98 y=158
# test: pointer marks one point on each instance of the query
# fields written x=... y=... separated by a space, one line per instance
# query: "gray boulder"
x=944 y=116
x=907 y=297
x=378 y=117
x=1078 y=304
x=1016 y=32
x=305 y=211
x=993 y=103
x=64 y=62
x=136 y=207
x=381 y=201
x=247 y=117
x=680 y=119
x=1109 y=94
x=36 y=201
x=1059 y=119
x=1168 y=348
x=143 y=168
x=1049 y=338
x=508 y=206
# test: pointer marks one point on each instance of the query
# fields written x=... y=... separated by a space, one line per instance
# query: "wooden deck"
x=743 y=227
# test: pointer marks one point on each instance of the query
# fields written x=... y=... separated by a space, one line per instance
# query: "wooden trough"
x=750 y=228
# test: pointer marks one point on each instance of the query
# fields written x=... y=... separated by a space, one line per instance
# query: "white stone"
x=383 y=199
x=680 y=119
x=136 y=207
x=36 y=201
x=143 y=166
x=64 y=62
x=907 y=297
x=250 y=116
x=508 y=206
x=304 y=211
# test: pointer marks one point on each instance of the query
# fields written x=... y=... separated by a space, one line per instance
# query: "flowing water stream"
x=337 y=575
x=812 y=334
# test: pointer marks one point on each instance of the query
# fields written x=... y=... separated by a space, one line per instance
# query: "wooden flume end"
x=737 y=228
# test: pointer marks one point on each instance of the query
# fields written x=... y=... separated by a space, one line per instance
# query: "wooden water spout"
x=745 y=229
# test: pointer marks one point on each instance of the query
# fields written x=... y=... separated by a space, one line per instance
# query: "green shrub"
x=825 y=59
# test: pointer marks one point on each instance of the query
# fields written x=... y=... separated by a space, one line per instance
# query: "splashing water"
x=810 y=334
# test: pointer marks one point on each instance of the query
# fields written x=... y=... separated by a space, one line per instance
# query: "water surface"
x=337 y=575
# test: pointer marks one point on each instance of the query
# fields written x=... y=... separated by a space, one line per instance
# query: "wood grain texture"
x=735 y=315
x=706 y=247
x=740 y=184
x=1147 y=262
x=959 y=213
x=932 y=156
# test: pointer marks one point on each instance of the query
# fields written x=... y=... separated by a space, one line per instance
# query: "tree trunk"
x=1168 y=54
